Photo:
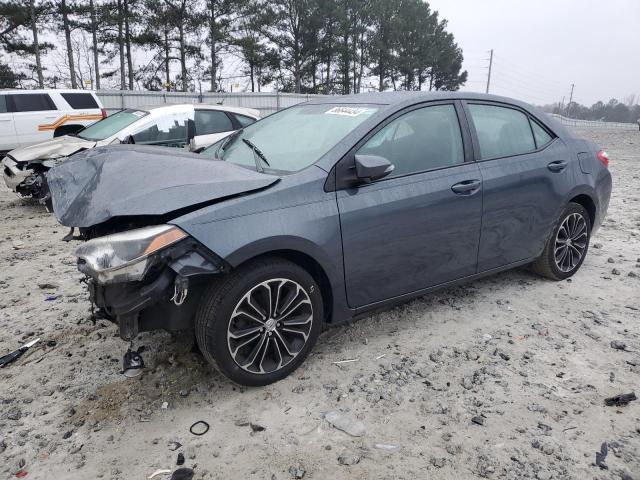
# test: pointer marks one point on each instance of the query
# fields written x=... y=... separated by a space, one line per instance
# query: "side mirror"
x=372 y=167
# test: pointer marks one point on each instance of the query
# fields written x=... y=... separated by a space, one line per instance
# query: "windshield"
x=112 y=124
x=292 y=139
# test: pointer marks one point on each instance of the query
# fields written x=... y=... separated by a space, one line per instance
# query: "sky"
x=541 y=47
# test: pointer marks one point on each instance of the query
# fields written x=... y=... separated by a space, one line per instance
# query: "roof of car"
x=202 y=106
x=394 y=98
x=47 y=90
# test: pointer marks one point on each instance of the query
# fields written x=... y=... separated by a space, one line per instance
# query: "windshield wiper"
x=257 y=155
x=227 y=142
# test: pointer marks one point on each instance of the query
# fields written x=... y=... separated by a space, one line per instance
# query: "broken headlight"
x=124 y=257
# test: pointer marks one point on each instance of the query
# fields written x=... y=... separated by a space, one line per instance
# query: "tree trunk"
x=296 y=69
x=127 y=40
x=183 y=57
x=67 y=36
x=123 y=85
x=94 y=39
x=166 y=59
x=213 y=35
x=381 y=73
x=36 y=45
x=345 y=64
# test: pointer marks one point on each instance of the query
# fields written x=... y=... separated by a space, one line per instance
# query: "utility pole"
x=489 y=75
x=570 y=99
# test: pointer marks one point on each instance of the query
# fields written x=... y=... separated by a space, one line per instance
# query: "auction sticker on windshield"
x=349 y=111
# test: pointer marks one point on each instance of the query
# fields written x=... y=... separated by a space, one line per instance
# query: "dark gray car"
x=325 y=211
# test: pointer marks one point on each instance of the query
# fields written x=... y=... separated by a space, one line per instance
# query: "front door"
x=419 y=226
x=526 y=174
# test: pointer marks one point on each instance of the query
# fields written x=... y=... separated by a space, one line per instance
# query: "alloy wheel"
x=270 y=326
x=571 y=242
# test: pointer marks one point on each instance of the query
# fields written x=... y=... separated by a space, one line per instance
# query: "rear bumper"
x=604 y=187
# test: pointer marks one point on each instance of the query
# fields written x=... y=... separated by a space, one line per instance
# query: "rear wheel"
x=567 y=247
x=258 y=324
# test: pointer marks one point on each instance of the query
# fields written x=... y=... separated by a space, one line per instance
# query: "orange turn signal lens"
x=165 y=239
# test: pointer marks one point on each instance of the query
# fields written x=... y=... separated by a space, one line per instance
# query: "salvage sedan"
x=325 y=211
x=193 y=127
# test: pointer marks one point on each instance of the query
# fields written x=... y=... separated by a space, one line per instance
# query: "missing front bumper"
x=152 y=304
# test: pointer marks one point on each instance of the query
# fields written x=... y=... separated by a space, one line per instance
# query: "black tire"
x=547 y=264
x=215 y=326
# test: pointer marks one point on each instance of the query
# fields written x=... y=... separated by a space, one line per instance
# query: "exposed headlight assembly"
x=124 y=257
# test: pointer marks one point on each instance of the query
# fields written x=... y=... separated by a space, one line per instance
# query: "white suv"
x=33 y=116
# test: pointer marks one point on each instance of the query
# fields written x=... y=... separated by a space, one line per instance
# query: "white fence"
x=573 y=122
x=265 y=102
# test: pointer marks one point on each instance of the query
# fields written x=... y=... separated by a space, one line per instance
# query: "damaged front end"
x=28 y=179
x=147 y=279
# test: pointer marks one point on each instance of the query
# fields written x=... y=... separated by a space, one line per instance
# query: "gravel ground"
x=501 y=378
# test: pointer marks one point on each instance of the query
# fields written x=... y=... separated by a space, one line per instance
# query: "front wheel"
x=567 y=247
x=258 y=324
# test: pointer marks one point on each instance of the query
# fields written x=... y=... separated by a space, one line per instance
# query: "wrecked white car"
x=184 y=126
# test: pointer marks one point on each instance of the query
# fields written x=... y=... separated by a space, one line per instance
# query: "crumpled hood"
x=129 y=180
x=58 y=147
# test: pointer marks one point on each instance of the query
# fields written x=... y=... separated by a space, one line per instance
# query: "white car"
x=34 y=116
x=185 y=126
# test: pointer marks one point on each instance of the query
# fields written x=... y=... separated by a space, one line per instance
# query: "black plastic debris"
x=180 y=460
x=173 y=446
x=602 y=455
x=617 y=345
x=478 y=420
x=182 y=474
x=620 y=400
x=256 y=428
x=132 y=363
x=13 y=356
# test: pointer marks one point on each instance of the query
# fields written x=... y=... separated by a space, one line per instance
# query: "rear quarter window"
x=244 y=120
x=79 y=101
x=3 y=104
x=540 y=134
x=32 y=102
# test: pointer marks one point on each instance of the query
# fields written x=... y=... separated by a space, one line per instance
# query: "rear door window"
x=212 y=121
x=501 y=131
x=80 y=100
x=420 y=140
x=32 y=102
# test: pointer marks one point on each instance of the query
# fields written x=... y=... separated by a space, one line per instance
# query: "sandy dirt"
x=528 y=359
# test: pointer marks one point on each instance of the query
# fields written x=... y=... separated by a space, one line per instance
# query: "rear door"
x=8 y=138
x=419 y=226
x=525 y=177
x=33 y=115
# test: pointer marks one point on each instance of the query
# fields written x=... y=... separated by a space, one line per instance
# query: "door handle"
x=557 y=166
x=466 y=187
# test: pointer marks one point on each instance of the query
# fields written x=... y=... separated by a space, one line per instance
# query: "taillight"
x=104 y=112
x=603 y=157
